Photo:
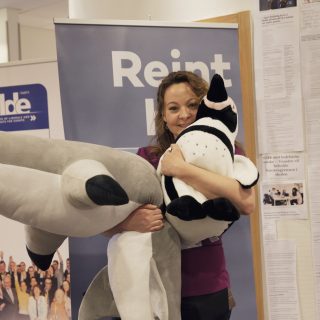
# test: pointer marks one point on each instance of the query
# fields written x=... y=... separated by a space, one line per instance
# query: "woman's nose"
x=184 y=113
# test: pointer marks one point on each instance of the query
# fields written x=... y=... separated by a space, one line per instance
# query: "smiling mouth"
x=183 y=126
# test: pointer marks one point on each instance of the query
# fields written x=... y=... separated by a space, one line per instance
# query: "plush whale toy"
x=208 y=143
x=63 y=188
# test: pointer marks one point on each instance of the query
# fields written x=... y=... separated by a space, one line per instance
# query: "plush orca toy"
x=63 y=188
x=208 y=143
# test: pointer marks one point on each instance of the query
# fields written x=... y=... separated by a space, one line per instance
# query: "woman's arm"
x=17 y=285
x=211 y=184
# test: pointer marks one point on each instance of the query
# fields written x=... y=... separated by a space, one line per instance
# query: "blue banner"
x=108 y=78
x=23 y=107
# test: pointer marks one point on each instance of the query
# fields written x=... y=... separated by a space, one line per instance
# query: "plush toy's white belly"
x=210 y=154
x=206 y=150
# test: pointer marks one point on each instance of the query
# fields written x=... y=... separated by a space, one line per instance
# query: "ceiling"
x=38 y=13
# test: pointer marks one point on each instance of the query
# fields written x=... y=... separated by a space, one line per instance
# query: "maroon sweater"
x=203 y=268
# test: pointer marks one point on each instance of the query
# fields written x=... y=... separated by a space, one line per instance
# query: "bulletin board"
x=287 y=93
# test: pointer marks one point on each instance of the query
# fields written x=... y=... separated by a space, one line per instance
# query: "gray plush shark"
x=63 y=188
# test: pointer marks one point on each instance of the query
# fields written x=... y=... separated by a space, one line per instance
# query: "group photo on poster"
x=30 y=106
x=26 y=292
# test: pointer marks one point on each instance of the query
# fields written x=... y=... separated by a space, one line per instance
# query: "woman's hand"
x=172 y=162
x=147 y=218
x=144 y=219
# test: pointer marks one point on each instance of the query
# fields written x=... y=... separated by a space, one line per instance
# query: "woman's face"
x=180 y=107
x=33 y=282
x=65 y=286
x=23 y=286
x=59 y=296
x=31 y=270
x=36 y=291
x=50 y=271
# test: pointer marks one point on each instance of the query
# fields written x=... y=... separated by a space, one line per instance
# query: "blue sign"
x=109 y=76
x=24 y=107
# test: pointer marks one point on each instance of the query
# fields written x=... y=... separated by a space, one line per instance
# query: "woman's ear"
x=164 y=122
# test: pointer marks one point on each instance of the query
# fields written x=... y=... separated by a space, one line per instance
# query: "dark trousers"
x=213 y=306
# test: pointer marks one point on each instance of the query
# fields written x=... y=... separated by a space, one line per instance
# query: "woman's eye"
x=173 y=109
x=193 y=105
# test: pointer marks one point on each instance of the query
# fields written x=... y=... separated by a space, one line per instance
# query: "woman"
x=60 y=307
x=50 y=275
x=2 y=304
x=205 y=280
x=31 y=274
x=66 y=288
x=37 y=305
x=23 y=296
x=296 y=197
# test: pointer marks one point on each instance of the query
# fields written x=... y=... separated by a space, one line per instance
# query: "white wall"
x=174 y=10
x=37 y=43
x=40 y=43
x=4 y=55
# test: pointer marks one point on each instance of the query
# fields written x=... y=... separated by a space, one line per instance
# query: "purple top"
x=203 y=268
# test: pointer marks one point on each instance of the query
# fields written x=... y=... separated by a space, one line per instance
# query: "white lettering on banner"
x=154 y=71
x=219 y=66
x=131 y=73
x=201 y=66
x=14 y=106
x=150 y=115
x=176 y=65
x=150 y=72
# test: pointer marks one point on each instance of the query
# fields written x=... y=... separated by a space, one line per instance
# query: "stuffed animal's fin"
x=129 y=256
x=186 y=208
x=43 y=262
x=98 y=301
x=221 y=209
x=88 y=183
x=245 y=171
x=41 y=246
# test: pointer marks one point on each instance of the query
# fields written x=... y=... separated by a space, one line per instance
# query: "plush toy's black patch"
x=170 y=188
x=222 y=136
x=103 y=190
x=41 y=261
x=217 y=91
x=253 y=183
x=186 y=208
x=227 y=116
x=221 y=209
